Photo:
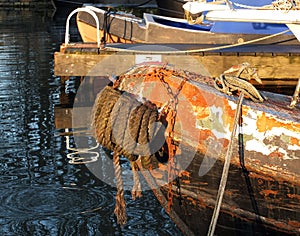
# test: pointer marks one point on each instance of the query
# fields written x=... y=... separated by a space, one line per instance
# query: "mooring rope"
x=120 y=209
x=295 y=95
x=137 y=188
x=223 y=181
x=200 y=49
x=122 y=124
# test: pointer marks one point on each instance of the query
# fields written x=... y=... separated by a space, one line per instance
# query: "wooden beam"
x=279 y=67
x=269 y=67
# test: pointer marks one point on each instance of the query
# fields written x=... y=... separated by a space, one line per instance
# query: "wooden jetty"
x=276 y=65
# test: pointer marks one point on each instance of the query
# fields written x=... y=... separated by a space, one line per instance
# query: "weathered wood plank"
x=279 y=67
x=90 y=64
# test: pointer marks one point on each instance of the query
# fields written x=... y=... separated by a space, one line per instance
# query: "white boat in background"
x=279 y=12
x=119 y=27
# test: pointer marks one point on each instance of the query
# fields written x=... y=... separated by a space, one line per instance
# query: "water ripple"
x=44 y=201
x=33 y=164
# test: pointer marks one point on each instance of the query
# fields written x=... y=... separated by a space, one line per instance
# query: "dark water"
x=40 y=192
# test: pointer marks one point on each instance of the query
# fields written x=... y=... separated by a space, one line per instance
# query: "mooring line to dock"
x=225 y=172
x=295 y=97
x=199 y=49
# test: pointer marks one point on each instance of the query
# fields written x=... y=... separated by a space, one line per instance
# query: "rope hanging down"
x=120 y=209
x=121 y=123
x=223 y=181
x=136 y=130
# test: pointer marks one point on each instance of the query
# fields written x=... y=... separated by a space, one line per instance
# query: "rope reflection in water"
x=81 y=155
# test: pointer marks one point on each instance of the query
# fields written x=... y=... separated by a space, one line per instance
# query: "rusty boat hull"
x=262 y=190
x=263 y=186
x=252 y=202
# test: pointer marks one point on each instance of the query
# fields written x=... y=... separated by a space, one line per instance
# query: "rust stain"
x=156 y=93
x=265 y=123
x=201 y=112
x=228 y=115
x=204 y=135
x=195 y=110
x=295 y=196
x=260 y=178
x=224 y=141
x=186 y=181
x=279 y=225
x=295 y=224
x=229 y=193
x=178 y=150
x=193 y=97
x=184 y=173
x=131 y=85
x=192 y=201
x=192 y=105
x=294 y=141
x=276 y=154
x=201 y=201
x=268 y=192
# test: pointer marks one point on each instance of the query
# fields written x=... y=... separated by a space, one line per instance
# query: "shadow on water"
x=41 y=193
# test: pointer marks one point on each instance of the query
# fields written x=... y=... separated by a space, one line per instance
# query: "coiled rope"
x=121 y=123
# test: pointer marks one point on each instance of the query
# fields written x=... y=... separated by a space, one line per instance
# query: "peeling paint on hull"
x=271 y=130
x=267 y=194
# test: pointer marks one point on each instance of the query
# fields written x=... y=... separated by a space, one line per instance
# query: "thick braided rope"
x=120 y=209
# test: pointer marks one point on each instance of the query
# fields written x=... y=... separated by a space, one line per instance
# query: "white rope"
x=223 y=181
x=296 y=95
x=197 y=50
x=252 y=7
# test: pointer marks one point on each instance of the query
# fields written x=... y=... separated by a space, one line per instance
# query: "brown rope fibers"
x=124 y=124
x=120 y=209
x=120 y=123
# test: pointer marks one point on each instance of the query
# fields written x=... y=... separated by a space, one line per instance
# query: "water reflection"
x=41 y=193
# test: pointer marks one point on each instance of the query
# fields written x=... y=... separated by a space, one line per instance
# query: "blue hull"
x=174 y=8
